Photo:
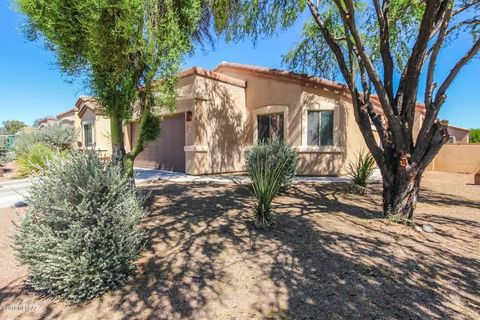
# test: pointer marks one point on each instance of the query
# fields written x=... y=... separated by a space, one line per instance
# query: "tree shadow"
x=327 y=257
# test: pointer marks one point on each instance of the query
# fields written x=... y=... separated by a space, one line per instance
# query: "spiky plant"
x=271 y=166
x=361 y=170
x=35 y=159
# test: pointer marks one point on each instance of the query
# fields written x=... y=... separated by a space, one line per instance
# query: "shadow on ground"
x=328 y=257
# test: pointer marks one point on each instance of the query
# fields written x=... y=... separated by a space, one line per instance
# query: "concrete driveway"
x=14 y=191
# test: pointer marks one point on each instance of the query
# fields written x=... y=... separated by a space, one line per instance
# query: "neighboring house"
x=220 y=113
x=46 y=121
x=458 y=134
x=67 y=117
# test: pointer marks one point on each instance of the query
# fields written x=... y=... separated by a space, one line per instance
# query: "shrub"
x=271 y=166
x=80 y=235
x=58 y=136
x=5 y=157
x=35 y=159
x=24 y=142
x=361 y=170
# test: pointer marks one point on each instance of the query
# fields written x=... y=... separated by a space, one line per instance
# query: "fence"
x=461 y=158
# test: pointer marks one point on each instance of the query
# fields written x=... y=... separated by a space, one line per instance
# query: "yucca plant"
x=35 y=159
x=271 y=166
x=361 y=170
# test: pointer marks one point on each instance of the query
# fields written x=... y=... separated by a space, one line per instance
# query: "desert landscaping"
x=329 y=256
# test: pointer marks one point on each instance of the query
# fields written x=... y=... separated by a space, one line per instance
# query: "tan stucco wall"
x=263 y=92
x=461 y=135
x=215 y=138
x=101 y=130
x=461 y=158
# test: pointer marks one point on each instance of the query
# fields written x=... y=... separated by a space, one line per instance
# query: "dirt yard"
x=328 y=257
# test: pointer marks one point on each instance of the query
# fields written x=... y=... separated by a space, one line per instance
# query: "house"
x=93 y=127
x=458 y=134
x=222 y=112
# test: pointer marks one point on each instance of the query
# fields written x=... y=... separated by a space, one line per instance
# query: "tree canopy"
x=379 y=48
x=122 y=46
x=13 y=126
x=475 y=136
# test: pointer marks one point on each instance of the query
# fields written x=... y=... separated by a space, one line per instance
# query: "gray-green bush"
x=361 y=170
x=56 y=135
x=80 y=235
x=271 y=166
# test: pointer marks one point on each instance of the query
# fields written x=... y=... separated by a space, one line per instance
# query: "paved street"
x=12 y=191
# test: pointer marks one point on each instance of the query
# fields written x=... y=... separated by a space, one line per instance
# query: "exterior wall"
x=263 y=92
x=101 y=130
x=461 y=158
x=461 y=135
x=216 y=135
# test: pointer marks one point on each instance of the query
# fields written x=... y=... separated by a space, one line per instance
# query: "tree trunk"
x=116 y=130
x=400 y=194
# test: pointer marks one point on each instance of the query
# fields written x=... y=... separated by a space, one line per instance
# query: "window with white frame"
x=88 y=134
x=320 y=128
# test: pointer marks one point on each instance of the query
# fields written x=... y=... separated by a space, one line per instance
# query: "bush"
x=80 y=235
x=5 y=157
x=271 y=166
x=58 y=136
x=35 y=159
x=24 y=142
x=361 y=170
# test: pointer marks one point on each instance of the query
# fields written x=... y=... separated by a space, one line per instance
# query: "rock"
x=21 y=204
x=428 y=228
x=417 y=228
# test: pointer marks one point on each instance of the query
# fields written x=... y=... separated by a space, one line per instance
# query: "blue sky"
x=31 y=86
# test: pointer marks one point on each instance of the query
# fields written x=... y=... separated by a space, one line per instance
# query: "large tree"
x=13 y=126
x=122 y=47
x=381 y=47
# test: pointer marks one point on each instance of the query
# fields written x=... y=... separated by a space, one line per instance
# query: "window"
x=88 y=135
x=270 y=126
x=320 y=128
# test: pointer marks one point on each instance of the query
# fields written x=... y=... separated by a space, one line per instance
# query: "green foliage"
x=24 y=142
x=361 y=170
x=35 y=159
x=80 y=235
x=120 y=46
x=270 y=165
x=475 y=136
x=13 y=126
x=58 y=136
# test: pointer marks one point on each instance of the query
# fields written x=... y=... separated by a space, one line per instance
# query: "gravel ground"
x=330 y=256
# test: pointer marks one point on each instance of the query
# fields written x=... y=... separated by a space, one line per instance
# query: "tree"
x=13 y=126
x=380 y=46
x=475 y=136
x=123 y=47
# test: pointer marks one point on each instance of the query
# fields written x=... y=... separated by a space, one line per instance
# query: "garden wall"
x=461 y=158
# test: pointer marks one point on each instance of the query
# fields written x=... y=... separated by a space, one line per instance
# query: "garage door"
x=166 y=152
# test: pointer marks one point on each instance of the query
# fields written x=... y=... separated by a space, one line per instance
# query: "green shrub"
x=80 y=235
x=24 y=142
x=271 y=166
x=35 y=159
x=361 y=170
x=5 y=157
x=58 y=136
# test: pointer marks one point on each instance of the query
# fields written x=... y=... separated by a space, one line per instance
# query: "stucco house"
x=222 y=112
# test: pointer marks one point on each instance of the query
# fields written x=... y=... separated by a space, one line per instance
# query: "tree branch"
x=382 y=16
x=440 y=95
